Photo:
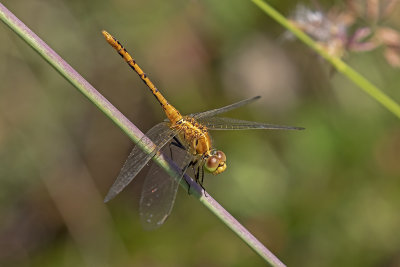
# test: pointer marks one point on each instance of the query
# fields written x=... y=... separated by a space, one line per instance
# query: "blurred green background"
x=326 y=196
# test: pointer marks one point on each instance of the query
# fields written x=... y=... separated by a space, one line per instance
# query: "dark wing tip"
x=279 y=127
x=110 y=195
x=298 y=128
x=253 y=98
x=289 y=128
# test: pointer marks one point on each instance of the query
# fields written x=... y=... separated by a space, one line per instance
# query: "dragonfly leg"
x=188 y=186
x=176 y=143
x=197 y=174
x=202 y=176
x=198 y=181
x=184 y=170
x=201 y=183
x=179 y=144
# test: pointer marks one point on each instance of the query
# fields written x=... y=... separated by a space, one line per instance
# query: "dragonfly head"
x=216 y=163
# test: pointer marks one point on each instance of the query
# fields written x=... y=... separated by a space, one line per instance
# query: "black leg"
x=197 y=174
x=201 y=184
x=184 y=171
x=194 y=163
x=202 y=176
x=170 y=150
x=183 y=174
x=176 y=143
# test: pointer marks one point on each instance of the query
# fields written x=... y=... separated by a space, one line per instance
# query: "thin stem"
x=132 y=131
x=342 y=67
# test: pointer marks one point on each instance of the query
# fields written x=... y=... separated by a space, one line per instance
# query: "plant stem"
x=341 y=66
x=132 y=131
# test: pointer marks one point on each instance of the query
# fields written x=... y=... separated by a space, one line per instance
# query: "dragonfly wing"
x=160 y=135
x=217 y=111
x=159 y=192
x=220 y=123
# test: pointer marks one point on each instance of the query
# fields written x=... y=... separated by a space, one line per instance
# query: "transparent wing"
x=217 y=111
x=220 y=123
x=159 y=192
x=160 y=135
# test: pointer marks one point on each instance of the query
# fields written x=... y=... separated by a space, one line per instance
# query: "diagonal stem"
x=132 y=131
x=341 y=66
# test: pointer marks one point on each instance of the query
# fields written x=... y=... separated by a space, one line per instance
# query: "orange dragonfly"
x=189 y=135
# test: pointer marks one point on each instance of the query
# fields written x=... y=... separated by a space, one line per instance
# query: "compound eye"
x=212 y=163
x=221 y=156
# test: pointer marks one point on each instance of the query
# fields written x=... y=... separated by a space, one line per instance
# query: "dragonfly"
x=189 y=135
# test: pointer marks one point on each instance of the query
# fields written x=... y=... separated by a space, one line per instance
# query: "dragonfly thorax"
x=196 y=138
x=194 y=135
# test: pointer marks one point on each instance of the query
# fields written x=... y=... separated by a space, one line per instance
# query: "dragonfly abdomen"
x=172 y=113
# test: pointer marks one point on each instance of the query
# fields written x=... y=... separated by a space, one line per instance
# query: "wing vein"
x=160 y=135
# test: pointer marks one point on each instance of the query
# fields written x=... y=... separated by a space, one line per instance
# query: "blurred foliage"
x=326 y=196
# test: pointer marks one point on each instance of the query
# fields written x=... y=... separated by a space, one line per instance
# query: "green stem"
x=132 y=131
x=342 y=67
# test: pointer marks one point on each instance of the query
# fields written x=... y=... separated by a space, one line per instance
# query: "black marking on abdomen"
x=164 y=107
